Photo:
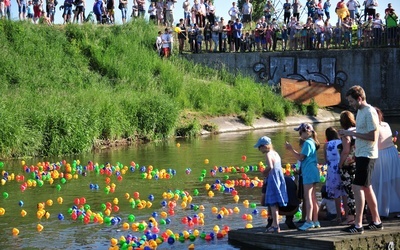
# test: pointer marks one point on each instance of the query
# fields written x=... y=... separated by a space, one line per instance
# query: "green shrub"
x=312 y=108
x=189 y=129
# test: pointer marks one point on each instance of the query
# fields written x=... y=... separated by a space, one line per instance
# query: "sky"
x=222 y=7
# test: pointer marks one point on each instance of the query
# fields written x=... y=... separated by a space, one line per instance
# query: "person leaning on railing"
x=377 y=27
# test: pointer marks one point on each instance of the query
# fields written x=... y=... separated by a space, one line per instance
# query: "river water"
x=184 y=159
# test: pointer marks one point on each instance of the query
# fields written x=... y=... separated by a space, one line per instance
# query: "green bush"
x=312 y=108
x=190 y=129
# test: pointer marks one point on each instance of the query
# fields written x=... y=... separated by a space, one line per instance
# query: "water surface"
x=223 y=150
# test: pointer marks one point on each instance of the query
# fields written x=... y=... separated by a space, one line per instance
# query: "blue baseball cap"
x=265 y=140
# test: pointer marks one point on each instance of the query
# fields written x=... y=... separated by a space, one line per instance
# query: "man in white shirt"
x=366 y=134
x=169 y=15
x=234 y=12
x=353 y=6
x=370 y=7
x=247 y=11
x=319 y=24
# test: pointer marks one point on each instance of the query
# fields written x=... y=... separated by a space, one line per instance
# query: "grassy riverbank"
x=64 y=88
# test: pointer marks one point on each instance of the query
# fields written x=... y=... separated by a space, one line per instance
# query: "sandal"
x=273 y=230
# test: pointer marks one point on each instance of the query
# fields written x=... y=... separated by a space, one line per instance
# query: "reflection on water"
x=221 y=150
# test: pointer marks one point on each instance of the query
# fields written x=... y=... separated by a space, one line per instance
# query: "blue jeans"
x=68 y=10
x=123 y=12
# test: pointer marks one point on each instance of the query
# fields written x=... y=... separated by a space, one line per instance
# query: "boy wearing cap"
x=276 y=193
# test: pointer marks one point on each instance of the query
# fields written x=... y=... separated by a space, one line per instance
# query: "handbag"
x=120 y=6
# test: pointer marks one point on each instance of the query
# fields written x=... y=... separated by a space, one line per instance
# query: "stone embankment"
x=227 y=124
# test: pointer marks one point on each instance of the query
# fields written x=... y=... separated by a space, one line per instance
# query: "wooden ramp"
x=303 y=91
x=328 y=237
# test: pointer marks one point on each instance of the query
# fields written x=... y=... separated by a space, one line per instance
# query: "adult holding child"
x=385 y=176
x=309 y=171
x=366 y=152
x=276 y=193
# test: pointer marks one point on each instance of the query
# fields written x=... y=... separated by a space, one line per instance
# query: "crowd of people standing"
x=357 y=24
x=339 y=24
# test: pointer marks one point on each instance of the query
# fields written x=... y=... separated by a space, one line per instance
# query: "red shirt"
x=228 y=30
x=388 y=10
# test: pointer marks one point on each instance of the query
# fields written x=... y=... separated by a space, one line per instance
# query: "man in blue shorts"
x=366 y=153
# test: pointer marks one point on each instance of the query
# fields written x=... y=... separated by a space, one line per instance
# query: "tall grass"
x=65 y=87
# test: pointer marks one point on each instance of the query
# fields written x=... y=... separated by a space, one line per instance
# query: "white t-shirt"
x=186 y=6
x=352 y=5
x=211 y=9
x=247 y=8
x=371 y=4
x=159 y=42
x=319 y=23
x=366 y=121
x=234 y=12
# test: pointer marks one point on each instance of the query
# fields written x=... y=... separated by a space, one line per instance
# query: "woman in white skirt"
x=386 y=174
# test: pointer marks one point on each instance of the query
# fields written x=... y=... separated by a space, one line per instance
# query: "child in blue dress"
x=276 y=193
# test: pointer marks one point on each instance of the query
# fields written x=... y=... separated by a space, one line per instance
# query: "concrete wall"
x=376 y=70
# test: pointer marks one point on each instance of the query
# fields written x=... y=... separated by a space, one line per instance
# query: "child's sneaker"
x=353 y=230
x=317 y=224
x=373 y=226
x=306 y=226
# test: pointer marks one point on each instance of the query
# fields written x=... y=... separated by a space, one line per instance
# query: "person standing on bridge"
x=366 y=152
